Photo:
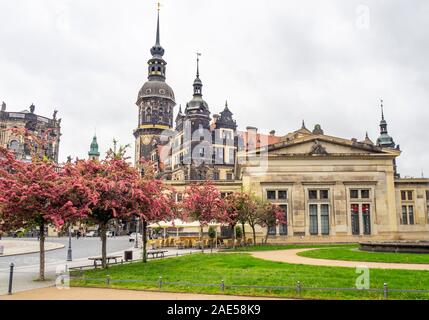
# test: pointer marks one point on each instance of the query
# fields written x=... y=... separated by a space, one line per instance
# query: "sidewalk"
x=115 y=294
x=17 y=247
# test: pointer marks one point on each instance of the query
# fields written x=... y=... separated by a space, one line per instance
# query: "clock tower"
x=155 y=102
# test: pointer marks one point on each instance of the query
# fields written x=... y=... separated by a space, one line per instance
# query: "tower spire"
x=158 y=38
x=198 y=85
x=198 y=64
x=157 y=50
x=384 y=140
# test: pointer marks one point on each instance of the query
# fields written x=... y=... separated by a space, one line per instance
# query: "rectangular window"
x=427 y=211
x=427 y=195
x=312 y=194
x=403 y=196
x=410 y=214
x=354 y=194
x=324 y=194
x=283 y=227
x=355 y=219
x=282 y=195
x=229 y=176
x=366 y=219
x=324 y=219
x=410 y=195
x=404 y=215
x=271 y=195
x=272 y=230
x=314 y=227
x=364 y=194
x=216 y=176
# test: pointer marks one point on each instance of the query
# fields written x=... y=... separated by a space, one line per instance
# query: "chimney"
x=215 y=118
x=252 y=129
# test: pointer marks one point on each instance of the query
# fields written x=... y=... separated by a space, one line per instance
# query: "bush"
x=238 y=232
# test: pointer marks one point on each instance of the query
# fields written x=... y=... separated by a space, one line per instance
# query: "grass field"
x=243 y=269
x=351 y=253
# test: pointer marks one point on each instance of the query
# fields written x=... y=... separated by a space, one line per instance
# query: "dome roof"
x=198 y=104
x=158 y=89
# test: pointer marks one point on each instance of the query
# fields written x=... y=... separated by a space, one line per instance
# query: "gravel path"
x=115 y=294
x=291 y=256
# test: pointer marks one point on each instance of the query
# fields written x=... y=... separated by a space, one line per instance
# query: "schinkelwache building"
x=330 y=188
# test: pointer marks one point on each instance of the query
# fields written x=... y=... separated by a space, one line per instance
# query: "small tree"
x=203 y=203
x=269 y=216
x=152 y=202
x=233 y=205
x=244 y=211
x=212 y=234
x=112 y=181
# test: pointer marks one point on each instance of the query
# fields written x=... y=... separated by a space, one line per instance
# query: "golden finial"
x=159 y=6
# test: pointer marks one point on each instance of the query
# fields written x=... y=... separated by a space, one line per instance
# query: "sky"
x=277 y=62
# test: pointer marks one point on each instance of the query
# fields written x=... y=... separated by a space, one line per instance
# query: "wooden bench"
x=157 y=253
x=108 y=258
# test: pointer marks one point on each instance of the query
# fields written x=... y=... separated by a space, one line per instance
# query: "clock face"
x=146 y=140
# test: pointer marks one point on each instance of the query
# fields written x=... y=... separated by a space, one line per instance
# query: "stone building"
x=330 y=188
x=48 y=130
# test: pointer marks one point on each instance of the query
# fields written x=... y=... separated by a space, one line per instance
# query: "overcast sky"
x=275 y=61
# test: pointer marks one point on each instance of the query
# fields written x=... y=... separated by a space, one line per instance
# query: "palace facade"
x=330 y=188
x=48 y=130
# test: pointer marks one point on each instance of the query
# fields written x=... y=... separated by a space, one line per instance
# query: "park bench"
x=108 y=258
x=157 y=253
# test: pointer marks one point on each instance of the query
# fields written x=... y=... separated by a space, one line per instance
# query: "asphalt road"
x=27 y=266
x=82 y=248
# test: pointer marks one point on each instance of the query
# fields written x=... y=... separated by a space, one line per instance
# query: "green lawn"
x=351 y=253
x=243 y=269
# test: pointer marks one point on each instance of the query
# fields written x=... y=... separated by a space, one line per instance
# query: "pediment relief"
x=322 y=146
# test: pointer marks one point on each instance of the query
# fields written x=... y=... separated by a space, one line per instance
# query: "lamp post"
x=69 y=251
x=136 y=244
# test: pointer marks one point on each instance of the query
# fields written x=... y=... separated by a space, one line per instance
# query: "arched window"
x=14 y=146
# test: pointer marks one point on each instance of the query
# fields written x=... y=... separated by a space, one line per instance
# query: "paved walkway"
x=115 y=294
x=291 y=256
x=18 y=247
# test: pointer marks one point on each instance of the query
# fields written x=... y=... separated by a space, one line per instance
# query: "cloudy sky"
x=275 y=61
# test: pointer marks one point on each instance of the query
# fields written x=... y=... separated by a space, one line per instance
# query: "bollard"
x=386 y=292
x=160 y=283
x=222 y=285
x=11 y=278
x=298 y=288
x=108 y=280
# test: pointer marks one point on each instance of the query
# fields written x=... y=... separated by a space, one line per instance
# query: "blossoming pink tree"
x=203 y=203
x=39 y=194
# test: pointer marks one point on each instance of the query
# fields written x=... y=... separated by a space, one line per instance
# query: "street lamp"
x=136 y=244
x=69 y=251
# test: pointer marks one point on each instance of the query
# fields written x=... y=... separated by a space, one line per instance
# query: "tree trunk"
x=201 y=239
x=103 y=236
x=254 y=235
x=144 y=241
x=233 y=236
x=42 y=252
x=266 y=236
x=244 y=233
